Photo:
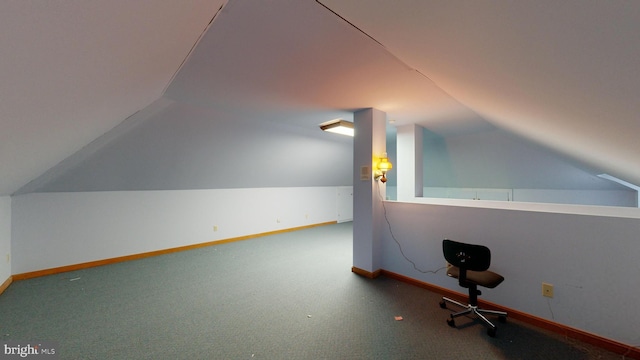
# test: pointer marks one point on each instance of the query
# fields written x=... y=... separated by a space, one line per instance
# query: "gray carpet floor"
x=285 y=296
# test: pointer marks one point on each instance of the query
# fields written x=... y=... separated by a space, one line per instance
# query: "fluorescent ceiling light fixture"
x=338 y=126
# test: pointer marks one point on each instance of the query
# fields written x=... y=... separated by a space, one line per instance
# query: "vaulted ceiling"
x=72 y=70
x=563 y=74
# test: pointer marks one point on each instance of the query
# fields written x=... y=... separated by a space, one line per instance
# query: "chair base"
x=475 y=310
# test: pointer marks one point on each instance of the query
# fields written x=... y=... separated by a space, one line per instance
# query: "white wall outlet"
x=215 y=227
x=547 y=290
x=8 y=258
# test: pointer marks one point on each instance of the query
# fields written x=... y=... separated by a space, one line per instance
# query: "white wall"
x=185 y=147
x=591 y=259
x=497 y=159
x=626 y=198
x=369 y=145
x=5 y=238
x=585 y=197
x=344 y=203
x=58 y=229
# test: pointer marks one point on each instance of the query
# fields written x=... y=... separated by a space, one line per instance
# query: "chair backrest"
x=466 y=256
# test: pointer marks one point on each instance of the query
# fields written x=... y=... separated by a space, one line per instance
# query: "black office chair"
x=470 y=264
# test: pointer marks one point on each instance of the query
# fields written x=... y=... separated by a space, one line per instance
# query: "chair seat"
x=487 y=278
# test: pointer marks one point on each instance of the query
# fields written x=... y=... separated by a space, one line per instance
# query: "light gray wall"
x=496 y=159
x=58 y=229
x=592 y=260
x=622 y=197
x=499 y=159
x=369 y=144
x=188 y=147
x=344 y=199
x=5 y=238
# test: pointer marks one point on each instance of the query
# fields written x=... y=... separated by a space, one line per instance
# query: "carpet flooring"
x=284 y=296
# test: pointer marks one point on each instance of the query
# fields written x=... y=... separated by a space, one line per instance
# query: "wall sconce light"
x=338 y=126
x=383 y=166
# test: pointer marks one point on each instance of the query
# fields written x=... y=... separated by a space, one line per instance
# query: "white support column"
x=409 y=159
x=369 y=144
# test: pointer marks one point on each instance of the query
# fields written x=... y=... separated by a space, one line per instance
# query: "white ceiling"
x=72 y=70
x=563 y=74
x=288 y=56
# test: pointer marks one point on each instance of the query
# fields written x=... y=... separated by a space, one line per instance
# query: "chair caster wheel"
x=443 y=304
x=502 y=319
x=492 y=332
x=451 y=323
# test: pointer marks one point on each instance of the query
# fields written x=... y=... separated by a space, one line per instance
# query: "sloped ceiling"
x=72 y=70
x=287 y=56
x=563 y=74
